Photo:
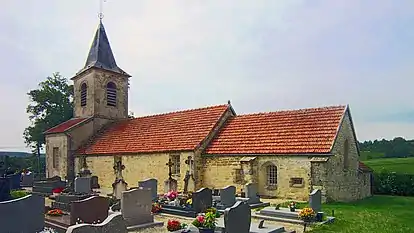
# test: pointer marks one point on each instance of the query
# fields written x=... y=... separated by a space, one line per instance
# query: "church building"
x=286 y=153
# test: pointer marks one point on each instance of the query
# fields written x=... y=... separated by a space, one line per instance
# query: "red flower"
x=57 y=190
x=173 y=225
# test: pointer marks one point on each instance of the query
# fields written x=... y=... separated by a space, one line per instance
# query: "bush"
x=391 y=183
x=15 y=194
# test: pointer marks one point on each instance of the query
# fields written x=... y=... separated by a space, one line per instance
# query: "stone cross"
x=118 y=169
x=169 y=164
x=190 y=163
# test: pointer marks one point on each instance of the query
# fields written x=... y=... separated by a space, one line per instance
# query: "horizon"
x=263 y=57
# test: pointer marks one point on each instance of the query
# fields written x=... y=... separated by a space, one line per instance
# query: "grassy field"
x=399 y=165
x=378 y=214
x=367 y=155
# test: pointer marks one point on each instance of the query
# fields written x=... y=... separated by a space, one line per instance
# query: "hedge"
x=391 y=183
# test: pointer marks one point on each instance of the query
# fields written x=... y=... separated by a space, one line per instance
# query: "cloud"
x=263 y=55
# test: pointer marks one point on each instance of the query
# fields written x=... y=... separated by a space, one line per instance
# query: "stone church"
x=286 y=153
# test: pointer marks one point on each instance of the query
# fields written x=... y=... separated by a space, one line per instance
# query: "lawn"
x=378 y=214
x=399 y=165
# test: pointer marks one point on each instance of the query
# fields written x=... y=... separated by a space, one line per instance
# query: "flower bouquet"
x=57 y=191
x=156 y=208
x=292 y=206
x=171 y=195
x=205 y=223
x=307 y=214
x=175 y=225
x=55 y=212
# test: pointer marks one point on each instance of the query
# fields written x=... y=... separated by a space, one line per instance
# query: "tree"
x=50 y=105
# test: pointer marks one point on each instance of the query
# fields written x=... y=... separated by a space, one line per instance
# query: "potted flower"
x=57 y=191
x=156 y=208
x=292 y=206
x=171 y=195
x=307 y=214
x=205 y=223
x=175 y=225
x=55 y=212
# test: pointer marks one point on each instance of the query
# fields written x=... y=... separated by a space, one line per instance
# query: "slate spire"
x=100 y=54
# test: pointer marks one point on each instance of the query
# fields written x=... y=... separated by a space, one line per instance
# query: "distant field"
x=399 y=165
x=367 y=155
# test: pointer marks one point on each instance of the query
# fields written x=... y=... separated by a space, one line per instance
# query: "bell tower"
x=101 y=87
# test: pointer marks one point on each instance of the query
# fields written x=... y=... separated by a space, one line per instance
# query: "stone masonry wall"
x=101 y=166
x=220 y=171
x=60 y=141
x=337 y=182
x=96 y=81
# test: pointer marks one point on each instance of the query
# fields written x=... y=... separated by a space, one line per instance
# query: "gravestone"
x=119 y=186
x=136 y=208
x=170 y=185
x=202 y=200
x=95 y=182
x=228 y=196
x=15 y=181
x=251 y=193
x=4 y=189
x=27 y=180
x=237 y=219
x=25 y=214
x=83 y=185
x=90 y=210
x=315 y=200
x=151 y=184
x=114 y=223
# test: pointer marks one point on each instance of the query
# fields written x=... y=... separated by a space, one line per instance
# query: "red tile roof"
x=303 y=131
x=364 y=167
x=176 y=131
x=65 y=125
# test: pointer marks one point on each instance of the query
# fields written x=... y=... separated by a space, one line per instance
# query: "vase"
x=292 y=209
x=205 y=230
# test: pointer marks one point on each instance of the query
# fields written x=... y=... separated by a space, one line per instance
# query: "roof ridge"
x=180 y=111
x=295 y=110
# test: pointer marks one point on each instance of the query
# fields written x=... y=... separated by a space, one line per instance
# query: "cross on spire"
x=101 y=15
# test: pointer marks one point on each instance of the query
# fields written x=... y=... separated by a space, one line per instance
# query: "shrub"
x=15 y=194
x=391 y=183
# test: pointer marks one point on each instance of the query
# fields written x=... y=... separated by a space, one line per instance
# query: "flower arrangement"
x=307 y=214
x=175 y=225
x=156 y=208
x=206 y=222
x=214 y=211
x=189 y=201
x=171 y=195
x=55 y=212
x=292 y=206
x=57 y=190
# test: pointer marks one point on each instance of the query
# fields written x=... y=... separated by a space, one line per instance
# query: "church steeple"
x=100 y=54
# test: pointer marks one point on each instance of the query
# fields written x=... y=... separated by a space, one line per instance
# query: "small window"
x=84 y=94
x=55 y=157
x=346 y=154
x=271 y=172
x=175 y=159
x=296 y=181
x=111 y=94
x=238 y=176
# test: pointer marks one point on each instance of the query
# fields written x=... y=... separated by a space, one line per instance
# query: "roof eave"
x=69 y=128
x=272 y=154
x=338 y=129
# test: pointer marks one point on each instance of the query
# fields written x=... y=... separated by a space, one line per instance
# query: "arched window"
x=346 y=154
x=271 y=174
x=111 y=94
x=84 y=93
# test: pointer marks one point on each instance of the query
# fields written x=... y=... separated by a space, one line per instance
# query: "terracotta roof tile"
x=176 y=131
x=364 y=167
x=65 y=125
x=301 y=131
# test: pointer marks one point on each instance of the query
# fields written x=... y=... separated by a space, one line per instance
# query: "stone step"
x=184 y=213
x=277 y=219
x=254 y=227
x=281 y=213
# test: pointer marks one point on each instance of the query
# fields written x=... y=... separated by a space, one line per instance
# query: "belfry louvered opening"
x=111 y=94
x=84 y=93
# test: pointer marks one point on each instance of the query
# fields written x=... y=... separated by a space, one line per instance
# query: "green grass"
x=399 y=165
x=378 y=214
x=367 y=155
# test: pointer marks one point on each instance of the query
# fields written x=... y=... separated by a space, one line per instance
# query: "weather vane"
x=101 y=15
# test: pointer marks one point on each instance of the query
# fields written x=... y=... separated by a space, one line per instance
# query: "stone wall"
x=96 y=81
x=337 y=181
x=101 y=166
x=220 y=171
x=60 y=141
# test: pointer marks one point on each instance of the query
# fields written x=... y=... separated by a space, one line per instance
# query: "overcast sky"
x=262 y=55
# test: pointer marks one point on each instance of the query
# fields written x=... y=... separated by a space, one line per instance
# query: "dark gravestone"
x=237 y=219
x=54 y=178
x=24 y=214
x=251 y=193
x=95 y=182
x=315 y=200
x=27 y=180
x=136 y=207
x=90 y=210
x=228 y=196
x=4 y=189
x=202 y=200
x=112 y=224
x=15 y=181
x=83 y=185
x=150 y=184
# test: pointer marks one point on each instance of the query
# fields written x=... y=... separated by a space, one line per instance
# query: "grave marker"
x=151 y=184
x=315 y=200
x=251 y=193
x=228 y=196
x=90 y=210
x=83 y=185
x=27 y=180
x=237 y=219
x=112 y=224
x=202 y=200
